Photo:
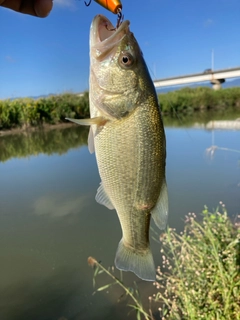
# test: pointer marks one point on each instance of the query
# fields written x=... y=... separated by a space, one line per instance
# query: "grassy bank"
x=200 y=273
x=28 y=112
x=188 y=100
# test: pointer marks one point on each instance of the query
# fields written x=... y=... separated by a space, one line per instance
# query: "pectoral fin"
x=103 y=198
x=160 y=211
x=100 y=121
x=91 y=147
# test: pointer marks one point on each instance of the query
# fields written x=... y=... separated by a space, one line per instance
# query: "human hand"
x=38 y=8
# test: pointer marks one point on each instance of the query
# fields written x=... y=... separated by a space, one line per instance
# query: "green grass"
x=189 y=100
x=200 y=273
x=26 y=112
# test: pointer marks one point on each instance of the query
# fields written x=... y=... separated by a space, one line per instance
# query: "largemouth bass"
x=127 y=135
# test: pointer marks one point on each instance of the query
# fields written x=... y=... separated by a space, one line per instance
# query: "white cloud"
x=71 y=4
x=10 y=59
x=57 y=206
x=208 y=23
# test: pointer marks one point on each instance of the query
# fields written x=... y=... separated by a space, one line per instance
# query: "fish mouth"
x=104 y=36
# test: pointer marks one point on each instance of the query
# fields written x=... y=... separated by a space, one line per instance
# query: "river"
x=50 y=223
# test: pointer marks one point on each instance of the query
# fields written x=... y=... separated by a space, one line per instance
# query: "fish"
x=128 y=138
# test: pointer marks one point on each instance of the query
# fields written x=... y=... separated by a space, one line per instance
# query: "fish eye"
x=126 y=60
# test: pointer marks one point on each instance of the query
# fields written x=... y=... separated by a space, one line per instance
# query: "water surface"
x=50 y=222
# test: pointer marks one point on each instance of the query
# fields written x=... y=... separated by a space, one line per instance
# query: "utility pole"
x=212 y=59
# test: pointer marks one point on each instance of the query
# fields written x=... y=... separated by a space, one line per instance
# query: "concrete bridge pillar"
x=216 y=83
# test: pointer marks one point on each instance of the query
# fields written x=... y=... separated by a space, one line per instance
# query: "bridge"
x=216 y=77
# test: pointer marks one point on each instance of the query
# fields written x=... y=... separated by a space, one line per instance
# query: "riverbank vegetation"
x=200 y=273
x=27 y=112
x=189 y=100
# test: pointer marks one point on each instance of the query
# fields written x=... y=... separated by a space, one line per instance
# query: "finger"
x=39 y=8
x=43 y=7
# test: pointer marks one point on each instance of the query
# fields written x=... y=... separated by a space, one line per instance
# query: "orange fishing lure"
x=114 y=6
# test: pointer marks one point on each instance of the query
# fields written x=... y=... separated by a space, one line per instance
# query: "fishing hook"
x=88 y=4
x=118 y=11
x=119 y=20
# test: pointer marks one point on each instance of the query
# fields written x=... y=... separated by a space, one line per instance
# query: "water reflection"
x=224 y=124
x=47 y=298
x=57 y=206
x=43 y=141
x=50 y=222
x=60 y=141
x=200 y=119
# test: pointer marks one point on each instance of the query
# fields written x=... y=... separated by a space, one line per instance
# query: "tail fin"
x=141 y=264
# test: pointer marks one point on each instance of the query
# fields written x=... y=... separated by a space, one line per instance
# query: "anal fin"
x=160 y=211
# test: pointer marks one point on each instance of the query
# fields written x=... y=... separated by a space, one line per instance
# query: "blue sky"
x=51 y=55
